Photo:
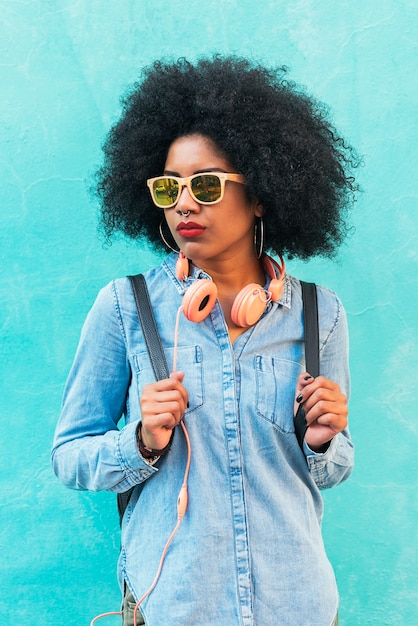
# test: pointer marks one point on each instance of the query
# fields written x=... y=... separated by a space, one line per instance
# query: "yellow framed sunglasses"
x=205 y=188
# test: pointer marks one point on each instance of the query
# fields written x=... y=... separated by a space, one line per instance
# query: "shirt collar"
x=286 y=297
x=169 y=265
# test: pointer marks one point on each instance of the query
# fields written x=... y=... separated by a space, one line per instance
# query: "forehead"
x=194 y=152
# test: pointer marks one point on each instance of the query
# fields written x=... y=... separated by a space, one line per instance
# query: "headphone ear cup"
x=199 y=300
x=249 y=306
x=276 y=288
x=182 y=266
x=276 y=284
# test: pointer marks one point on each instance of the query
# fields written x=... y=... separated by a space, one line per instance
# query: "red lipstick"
x=189 y=230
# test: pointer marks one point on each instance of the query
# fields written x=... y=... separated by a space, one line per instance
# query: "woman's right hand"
x=163 y=404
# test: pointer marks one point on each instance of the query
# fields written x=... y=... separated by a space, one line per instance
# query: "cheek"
x=169 y=221
x=238 y=218
x=169 y=227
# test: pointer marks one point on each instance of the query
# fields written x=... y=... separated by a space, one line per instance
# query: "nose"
x=186 y=202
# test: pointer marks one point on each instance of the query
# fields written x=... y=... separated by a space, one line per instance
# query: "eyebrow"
x=208 y=169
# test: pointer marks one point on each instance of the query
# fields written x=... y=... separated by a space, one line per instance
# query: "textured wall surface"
x=63 y=66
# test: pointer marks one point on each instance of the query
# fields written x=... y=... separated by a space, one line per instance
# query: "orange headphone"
x=249 y=304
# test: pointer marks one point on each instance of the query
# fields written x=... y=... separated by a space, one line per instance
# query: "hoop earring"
x=160 y=228
x=259 y=246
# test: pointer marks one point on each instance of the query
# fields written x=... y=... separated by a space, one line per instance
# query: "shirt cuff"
x=309 y=452
x=136 y=467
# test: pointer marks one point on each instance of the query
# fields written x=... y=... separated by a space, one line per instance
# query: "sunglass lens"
x=165 y=191
x=206 y=188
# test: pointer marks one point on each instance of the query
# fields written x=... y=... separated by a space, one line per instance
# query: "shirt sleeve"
x=90 y=451
x=336 y=463
x=334 y=466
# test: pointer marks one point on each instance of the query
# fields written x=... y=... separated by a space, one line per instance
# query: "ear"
x=258 y=209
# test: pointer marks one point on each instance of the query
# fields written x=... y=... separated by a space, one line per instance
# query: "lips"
x=189 y=230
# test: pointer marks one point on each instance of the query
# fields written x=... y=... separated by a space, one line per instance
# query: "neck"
x=232 y=275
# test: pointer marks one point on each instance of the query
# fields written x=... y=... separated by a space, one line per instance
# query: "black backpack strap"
x=155 y=352
x=310 y=321
x=123 y=501
x=149 y=327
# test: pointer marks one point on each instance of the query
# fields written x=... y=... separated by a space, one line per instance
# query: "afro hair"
x=267 y=127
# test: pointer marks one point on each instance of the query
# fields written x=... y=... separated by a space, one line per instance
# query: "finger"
x=330 y=414
x=317 y=389
x=335 y=421
x=303 y=380
x=312 y=396
x=170 y=382
x=167 y=384
x=169 y=415
x=161 y=418
x=321 y=396
x=171 y=401
x=179 y=377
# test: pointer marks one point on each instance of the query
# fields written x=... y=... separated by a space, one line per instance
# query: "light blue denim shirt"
x=249 y=551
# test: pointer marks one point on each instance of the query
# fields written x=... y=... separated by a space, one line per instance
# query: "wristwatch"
x=149 y=454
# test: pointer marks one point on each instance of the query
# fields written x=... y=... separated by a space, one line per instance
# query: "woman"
x=221 y=161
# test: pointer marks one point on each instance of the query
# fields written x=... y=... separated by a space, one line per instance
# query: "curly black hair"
x=274 y=134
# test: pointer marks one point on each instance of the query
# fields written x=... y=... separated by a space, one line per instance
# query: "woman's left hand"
x=325 y=408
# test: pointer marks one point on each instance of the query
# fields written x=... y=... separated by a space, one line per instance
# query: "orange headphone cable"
x=182 y=499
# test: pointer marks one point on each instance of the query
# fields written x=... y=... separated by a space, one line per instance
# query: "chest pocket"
x=189 y=361
x=275 y=394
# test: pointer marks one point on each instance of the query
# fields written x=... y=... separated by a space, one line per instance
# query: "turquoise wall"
x=63 y=65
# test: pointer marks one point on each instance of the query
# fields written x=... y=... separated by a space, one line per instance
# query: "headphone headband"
x=249 y=304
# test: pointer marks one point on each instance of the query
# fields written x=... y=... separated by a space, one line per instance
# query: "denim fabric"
x=249 y=551
x=128 y=609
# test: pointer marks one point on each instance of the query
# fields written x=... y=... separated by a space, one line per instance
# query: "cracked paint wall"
x=63 y=66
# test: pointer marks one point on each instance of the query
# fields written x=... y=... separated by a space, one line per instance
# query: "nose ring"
x=185 y=214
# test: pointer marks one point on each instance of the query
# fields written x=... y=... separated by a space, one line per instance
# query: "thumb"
x=177 y=376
